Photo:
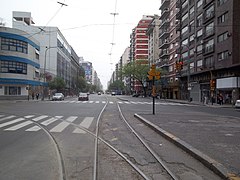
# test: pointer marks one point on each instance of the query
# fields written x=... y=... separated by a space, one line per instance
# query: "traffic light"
x=212 y=84
x=180 y=65
x=157 y=75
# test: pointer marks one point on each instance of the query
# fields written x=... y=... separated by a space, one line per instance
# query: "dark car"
x=83 y=97
x=135 y=95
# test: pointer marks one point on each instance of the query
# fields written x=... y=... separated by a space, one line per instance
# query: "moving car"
x=83 y=97
x=113 y=93
x=237 y=104
x=99 y=93
x=58 y=97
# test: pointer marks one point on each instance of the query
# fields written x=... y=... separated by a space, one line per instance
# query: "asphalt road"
x=29 y=153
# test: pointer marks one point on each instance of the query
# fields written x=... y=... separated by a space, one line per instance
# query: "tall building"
x=57 y=57
x=139 y=46
x=168 y=44
x=209 y=48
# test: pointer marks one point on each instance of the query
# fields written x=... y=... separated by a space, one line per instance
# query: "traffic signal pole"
x=153 y=94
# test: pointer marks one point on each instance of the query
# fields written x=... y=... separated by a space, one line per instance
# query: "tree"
x=57 y=83
x=81 y=84
x=138 y=71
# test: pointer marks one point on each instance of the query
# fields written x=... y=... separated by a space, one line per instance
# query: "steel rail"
x=154 y=154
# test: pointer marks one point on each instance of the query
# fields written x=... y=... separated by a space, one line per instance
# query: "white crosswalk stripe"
x=11 y=122
x=8 y=117
x=18 y=126
x=60 y=127
x=85 y=123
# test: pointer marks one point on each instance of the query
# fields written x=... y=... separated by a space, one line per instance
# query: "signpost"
x=153 y=75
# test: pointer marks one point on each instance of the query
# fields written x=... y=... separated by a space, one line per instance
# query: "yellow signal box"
x=157 y=75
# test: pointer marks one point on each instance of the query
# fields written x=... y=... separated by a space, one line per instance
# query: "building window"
x=191 y=39
x=184 y=30
x=13 y=67
x=223 y=55
x=199 y=20
x=12 y=90
x=209 y=13
x=14 y=45
x=184 y=4
x=199 y=3
x=184 y=17
x=191 y=26
x=223 y=18
x=191 y=12
x=199 y=49
x=209 y=61
x=209 y=29
x=222 y=37
x=221 y=2
x=209 y=46
x=199 y=34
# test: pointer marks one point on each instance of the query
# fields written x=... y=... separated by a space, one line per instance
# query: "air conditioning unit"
x=229 y=34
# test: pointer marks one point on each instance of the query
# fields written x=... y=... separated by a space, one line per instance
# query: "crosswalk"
x=119 y=102
x=28 y=123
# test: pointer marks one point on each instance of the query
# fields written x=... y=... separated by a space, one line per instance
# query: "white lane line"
x=110 y=102
x=90 y=101
x=1 y=115
x=85 y=123
x=8 y=117
x=46 y=122
x=126 y=102
x=84 y=101
x=133 y=102
x=18 y=126
x=97 y=102
x=29 y=116
x=120 y=102
x=63 y=125
x=103 y=102
x=11 y=122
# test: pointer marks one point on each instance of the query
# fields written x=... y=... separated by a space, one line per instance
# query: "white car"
x=58 y=97
x=237 y=104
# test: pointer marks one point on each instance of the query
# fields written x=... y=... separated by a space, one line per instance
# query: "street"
x=48 y=139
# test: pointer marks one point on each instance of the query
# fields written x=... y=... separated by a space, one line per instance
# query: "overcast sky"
x=87 y=25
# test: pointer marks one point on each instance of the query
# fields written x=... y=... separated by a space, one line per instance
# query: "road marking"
x=18 y=126
x=11 y=122
x=103 y=102
x=97 y=102
x=110 y=102
x=46 y=122
x=90 y=101
x=85 y=123
x=39 y=118
x=120 y=102
x=8 y=117
x=63 y=125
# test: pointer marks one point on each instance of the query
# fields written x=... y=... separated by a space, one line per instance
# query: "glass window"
x=14 y=45
x=221 y=2
x=184 y=30
x=222 y=55
x=222 y=37
x=185 y=16
x=209 y=46
x=199 y=20
x=199 y=3
x=223 y=18
x=12 y=90
x=209 y=29
x=13 y=67
x=209 y=13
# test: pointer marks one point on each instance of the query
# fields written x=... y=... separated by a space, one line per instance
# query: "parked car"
x=83 y=97
x=58 y=97
x=237 y=104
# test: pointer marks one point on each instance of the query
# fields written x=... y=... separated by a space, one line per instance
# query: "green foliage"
x=57 y=83
x=81 y=84
x=116 y=85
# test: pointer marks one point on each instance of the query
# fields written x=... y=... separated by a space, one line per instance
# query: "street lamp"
x=44 y=69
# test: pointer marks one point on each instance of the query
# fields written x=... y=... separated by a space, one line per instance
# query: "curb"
x=210 y=163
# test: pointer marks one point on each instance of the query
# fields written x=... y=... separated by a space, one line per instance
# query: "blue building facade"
x=20 y=76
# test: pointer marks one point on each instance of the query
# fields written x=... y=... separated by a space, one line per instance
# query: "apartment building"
x=168 y=45
x=56 y=57
x=19 y=64
x=209 y=48
x=139 y=46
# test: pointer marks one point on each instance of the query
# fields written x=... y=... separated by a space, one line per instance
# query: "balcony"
x=165 y=13
x=178 y=3
x=164 y=44
x=208 y=49
x=165 y=23
x=178 y=13
x=208 y=16
x=206 y=3
x=164 y=33
x=165 y=4
x=164 y=53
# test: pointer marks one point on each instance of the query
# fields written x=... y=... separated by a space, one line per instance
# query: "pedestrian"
x=32 y=95
x=220 y=99
x=37 y=95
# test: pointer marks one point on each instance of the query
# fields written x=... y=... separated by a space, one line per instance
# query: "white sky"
x=87 y=25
